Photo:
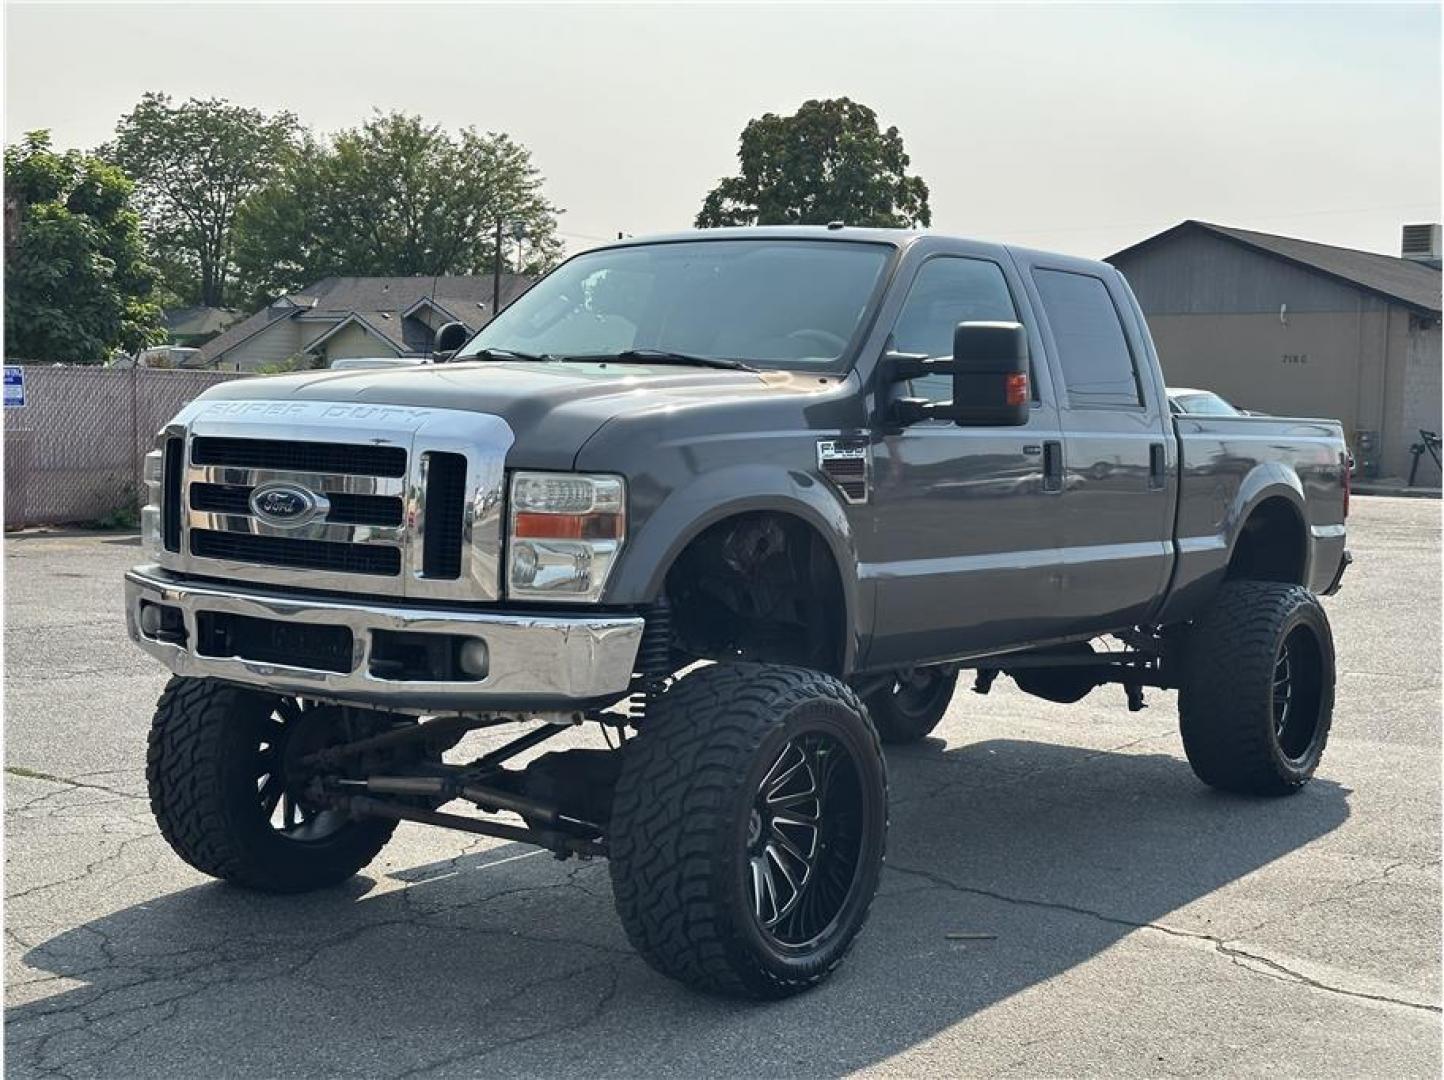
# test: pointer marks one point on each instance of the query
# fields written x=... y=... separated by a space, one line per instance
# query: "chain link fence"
x=73 y=453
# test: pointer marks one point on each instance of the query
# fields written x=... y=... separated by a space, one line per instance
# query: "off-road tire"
x=679 y=826
x=1226 y=707
x=902 y=718
x=205 y=801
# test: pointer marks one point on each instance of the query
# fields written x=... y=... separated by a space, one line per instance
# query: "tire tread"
x=185 y=760
x=1224 y=714
x=680 y=776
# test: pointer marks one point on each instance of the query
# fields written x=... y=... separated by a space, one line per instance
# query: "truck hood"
x=552 y=408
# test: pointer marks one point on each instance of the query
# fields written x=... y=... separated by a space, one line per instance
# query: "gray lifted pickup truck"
x=751 y=500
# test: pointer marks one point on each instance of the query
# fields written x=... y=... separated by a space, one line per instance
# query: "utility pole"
x=496 y=275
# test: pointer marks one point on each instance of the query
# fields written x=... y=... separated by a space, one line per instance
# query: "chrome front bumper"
x=536 y=662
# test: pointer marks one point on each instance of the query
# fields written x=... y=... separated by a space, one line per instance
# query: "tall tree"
x=396 y=196
x=77 y=285
x=829 y=161
x=194 y=164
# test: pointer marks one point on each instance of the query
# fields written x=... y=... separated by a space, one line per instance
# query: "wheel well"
x=1271 y=546
x=759 y=586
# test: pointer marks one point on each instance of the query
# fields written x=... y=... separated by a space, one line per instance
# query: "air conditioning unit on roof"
x=1420 y=243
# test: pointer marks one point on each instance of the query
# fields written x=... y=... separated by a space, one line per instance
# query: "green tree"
x=396 y=196
x=77 y=285
x=194 y=164
x=829 y=161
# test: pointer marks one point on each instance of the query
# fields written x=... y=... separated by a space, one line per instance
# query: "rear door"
x=1114 y=516
x=961 y=552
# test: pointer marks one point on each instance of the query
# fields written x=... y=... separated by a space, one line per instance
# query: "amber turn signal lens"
x=1017 y=388
x=534 y=526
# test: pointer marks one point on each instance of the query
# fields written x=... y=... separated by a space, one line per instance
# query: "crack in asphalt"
x=88 y=1008
x=1346 y=891
x=66 y=782
x=1239 y=956
x=604 y=1000
x=90 y=868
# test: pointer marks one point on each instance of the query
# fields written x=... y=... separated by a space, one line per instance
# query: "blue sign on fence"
x=14 y=386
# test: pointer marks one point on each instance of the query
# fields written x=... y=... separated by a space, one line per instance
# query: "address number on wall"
x=1295 y=358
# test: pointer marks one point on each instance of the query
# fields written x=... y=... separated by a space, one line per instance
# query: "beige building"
x=1288 y=326
x=354 y=316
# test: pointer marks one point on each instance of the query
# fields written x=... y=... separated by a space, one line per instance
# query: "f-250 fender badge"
x=847 y=462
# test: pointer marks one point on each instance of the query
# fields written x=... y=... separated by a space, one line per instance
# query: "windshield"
x=769 y=303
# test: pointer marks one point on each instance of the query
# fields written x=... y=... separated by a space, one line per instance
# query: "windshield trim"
x=846 y=359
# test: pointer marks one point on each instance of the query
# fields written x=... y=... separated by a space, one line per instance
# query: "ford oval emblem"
x=286 y=505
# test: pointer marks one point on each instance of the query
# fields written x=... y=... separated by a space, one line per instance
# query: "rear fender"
x=1266 y=480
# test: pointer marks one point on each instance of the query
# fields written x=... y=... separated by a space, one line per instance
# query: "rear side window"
x=1097 y=366
x=949 y=290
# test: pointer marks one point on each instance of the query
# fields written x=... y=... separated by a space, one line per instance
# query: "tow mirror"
x=449 y=337
x=989 y=369
x=990 y=374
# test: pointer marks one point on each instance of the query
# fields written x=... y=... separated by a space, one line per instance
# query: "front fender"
x=655 y=543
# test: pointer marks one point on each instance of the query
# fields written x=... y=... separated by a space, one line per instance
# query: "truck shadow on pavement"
x=1009 y=863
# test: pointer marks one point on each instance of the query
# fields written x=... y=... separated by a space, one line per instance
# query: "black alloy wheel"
x=748 y=827
x=293 y=730
x=1256 y=693
x=1296 y=693
x=804 y=839
x=912 y=703
x=230 y=795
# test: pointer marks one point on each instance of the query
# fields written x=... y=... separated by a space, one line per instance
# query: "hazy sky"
x=1080 y=128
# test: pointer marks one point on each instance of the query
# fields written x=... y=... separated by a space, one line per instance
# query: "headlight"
x=565 y=530
x=150 y=527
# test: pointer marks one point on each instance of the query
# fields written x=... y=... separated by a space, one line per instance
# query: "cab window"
x=1093 y=352
x=949 y=290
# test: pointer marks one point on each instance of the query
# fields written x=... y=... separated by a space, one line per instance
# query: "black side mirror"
x=989 y=369
x=449 y=337
x=990 y=374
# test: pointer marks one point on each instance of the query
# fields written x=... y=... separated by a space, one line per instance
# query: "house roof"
x=380 y=303
x=1402 y=280
x=194 y=321
x=351 y=319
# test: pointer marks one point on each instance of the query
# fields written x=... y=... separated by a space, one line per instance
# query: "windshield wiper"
x=507 y=354
x=669 y=356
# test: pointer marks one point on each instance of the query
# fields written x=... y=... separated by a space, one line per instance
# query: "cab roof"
x=898 y=238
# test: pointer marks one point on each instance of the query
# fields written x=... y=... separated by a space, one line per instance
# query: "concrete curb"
x=1397 y=491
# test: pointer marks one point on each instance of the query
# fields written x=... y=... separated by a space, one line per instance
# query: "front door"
x=961 y=553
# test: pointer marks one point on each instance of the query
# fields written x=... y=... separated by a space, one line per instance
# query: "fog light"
x=473 y=658
x=162 y=622
x=150 y=619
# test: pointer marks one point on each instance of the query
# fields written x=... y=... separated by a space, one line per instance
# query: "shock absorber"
x=654 y=659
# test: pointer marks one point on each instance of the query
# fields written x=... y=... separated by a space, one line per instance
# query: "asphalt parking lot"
x=1138 y=924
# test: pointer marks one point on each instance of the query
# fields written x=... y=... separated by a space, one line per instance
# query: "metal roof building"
x=1281 y=325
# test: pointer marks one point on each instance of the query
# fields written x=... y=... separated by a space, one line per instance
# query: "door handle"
x=1053 y=465
x=1156 y=466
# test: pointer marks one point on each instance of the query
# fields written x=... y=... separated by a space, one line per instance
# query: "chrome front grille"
x=337 y=496
x=344 y=508
x=304 y=457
